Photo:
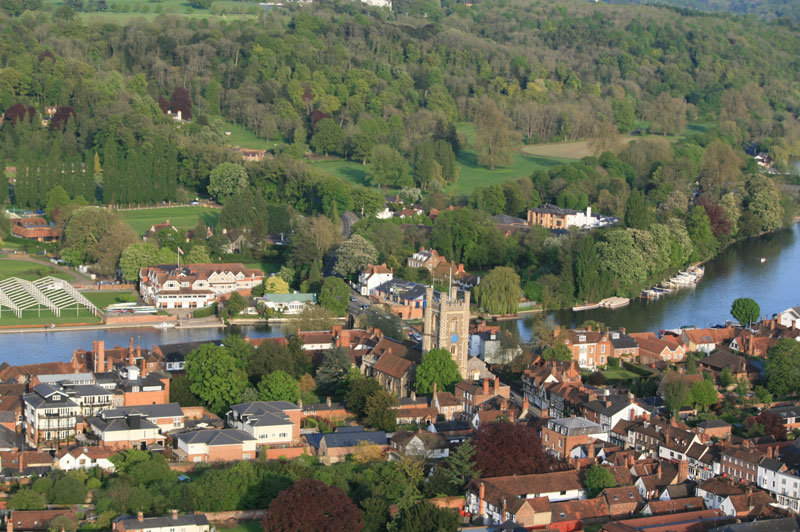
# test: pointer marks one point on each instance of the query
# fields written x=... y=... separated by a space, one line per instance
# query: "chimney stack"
x=140 y=516
x=486 y=386
x=683 y=470
x=174 y=513
x=100 y=355
x=328 y=401
x=413 y=395
x=300 y=403
x=9 y=524
x=659 y=470
x=433 y=397
x=497 y=385
x=525 y=405
x=481 y=497
x=590 y=450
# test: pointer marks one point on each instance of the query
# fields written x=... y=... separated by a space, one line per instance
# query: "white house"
x=86 y=458
x=189 y=286
x=123 y=430
x=372 y=277
x=269 y=422
x=429 y=445
x=790 y=317
x=215 y=445
x=287 y=303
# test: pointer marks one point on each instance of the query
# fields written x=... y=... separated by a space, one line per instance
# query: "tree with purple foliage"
x=510 y=449
x=181 y=101
x=312 y=506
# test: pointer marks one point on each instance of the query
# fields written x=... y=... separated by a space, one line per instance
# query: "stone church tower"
x=446 y=326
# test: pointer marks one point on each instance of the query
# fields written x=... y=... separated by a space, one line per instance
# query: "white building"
x=372 y=277
x=51 y=416
x=86 y=458
x=193 y=286
x=269 y=422
x=287 y=303
x=790 y=317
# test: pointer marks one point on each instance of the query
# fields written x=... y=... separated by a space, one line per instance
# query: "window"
x=603 y=348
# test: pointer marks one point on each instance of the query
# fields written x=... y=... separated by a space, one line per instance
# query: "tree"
x=68 y=489
x=676 y=393
x=721 y=169
x=313 y=318
x=425 y=517
x=215 y=376
x=354 y=255
x=181 y=101
x=198 y=255
x=726 y=378
x=557 y=351
x=745 y=311
x=380 y=412
x=227 y=179
x=26 y=499
x=332 y=510
x=62 y=523
x=135 y=257
x=503 y=449
x=275 y=285
x=764 y=202
x=437 y=366
x=699 y=228
x=334 y=367
x=637 y=213
x=312 y=240
x=500 y=291
x=587 y=270
x=597 y=478
x=328 y=137
x=278 y=386
x=782 y=370
x=388 y=167
x=235 y=304
x=704 y=394
x=494 y=135
x=359 y=389
x=334 y=295
x=460 y=465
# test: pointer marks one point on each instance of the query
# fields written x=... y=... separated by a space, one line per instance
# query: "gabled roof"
x=577 y=510
x=673 y=506
x=621 y=495
x=748 y=502
x=39 y=519
x=721 y=487
x=431 y=440
x=214 y=437
x=163 y=522
x=348 y=438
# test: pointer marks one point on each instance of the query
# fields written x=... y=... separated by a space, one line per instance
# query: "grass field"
x=244 y=138
x=181 y=217
x=244 y=526
x=103 y=299
x=614 y=375
x=33 y=317
x=123 y=11
x=28 y=270
x=267 y=266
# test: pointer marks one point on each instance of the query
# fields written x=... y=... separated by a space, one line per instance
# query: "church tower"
x=446 y=326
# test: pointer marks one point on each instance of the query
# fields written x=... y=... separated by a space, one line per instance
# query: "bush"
x=205 y=312
x=613 y=362
x=639 y=370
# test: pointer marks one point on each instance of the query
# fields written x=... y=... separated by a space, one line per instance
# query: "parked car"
x=352 y=298
x=195 y=202
x=364 y=307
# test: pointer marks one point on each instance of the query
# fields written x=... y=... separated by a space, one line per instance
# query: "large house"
x=51 y=416
x=274 y=423
x=401 y=298
x=35 y=228
x=438 y=266
x=334 y=447
x=287 y=303
x=554 y=217
x=172 y=523
x=215 y=445
x=373 y=276
x=561 y=436
x=169 y=286
x=790 y=317
x=654 y=350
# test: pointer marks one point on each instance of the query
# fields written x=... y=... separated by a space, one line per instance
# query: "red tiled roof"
x=46 y=368
x=38 y=519
x=392 y=365
x=579 y=509
x=688 y=504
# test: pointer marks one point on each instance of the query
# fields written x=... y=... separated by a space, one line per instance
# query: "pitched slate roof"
x=212 y=437
x=349 y=437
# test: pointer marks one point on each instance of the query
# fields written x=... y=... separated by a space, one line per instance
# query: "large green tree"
x=278 y=386
x=437 y=366
x=597 y=478
x=782 y=370
x=136 y=256
x=334 y=295
x=226 y=179
x=494 y=135
x=745 y=310
x=704 y=394
x=499 y=292
x=380 y=411
x=215 y=376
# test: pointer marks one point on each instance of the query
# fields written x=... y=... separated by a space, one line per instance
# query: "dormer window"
x=581 y=338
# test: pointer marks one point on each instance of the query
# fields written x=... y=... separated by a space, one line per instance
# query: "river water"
x=736 y=272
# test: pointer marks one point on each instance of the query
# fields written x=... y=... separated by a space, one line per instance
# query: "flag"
x=180 y=251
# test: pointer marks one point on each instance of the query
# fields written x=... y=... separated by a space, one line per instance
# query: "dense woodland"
x=388 y=90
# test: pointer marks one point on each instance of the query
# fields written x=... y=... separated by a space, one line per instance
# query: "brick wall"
x=139 y=319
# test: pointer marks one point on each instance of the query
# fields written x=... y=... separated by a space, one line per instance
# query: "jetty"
x=609 y=302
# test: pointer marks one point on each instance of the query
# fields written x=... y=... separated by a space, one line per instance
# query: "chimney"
x=9 y=524
x=590 y=450
x=589 y=328
x=328 y=401
x=504 y=404
x=140 y=517
x=130 y=349
x=144 y=368
x=588 y=212
x=100 y=355
x=486 y=386
x=770 y=452
x=525 y=405
x=300 y=403
x=681 y=370
x=174 y=513
x=433 y=397
x=659 y=471
x=622 y=330
x=577 y=465
x=481 y=497
x=413 y=395
x=131 y=358
x=683 y=470
x=631 y=460
x=497 y=385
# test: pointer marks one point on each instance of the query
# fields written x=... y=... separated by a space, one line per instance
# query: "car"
x=364 y=307
x=40 y=211
x=195 y=202
x=42 y=252
x=352 y=299
x=417 y=337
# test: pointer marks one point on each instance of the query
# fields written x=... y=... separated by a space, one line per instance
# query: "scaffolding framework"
x=48 y=294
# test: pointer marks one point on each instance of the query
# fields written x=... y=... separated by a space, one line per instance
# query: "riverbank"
x=199 y=323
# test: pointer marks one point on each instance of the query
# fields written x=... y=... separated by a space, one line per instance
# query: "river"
x=57 y=346
x=736 y=272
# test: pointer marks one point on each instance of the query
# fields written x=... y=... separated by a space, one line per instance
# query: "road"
x=79 y=277
x=357 y=301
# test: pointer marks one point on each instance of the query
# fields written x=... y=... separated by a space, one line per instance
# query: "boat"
x=587 y=306
x=164 y=325
x=763 y=259
x=119 y=306
x=615 y=302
